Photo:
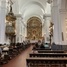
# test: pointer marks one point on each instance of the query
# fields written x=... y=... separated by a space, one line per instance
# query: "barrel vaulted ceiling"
x=29 y=8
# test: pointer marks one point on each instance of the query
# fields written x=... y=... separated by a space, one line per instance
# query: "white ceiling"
x=29 y=8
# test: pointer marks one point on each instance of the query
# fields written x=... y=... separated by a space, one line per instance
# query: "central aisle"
x=20 y=60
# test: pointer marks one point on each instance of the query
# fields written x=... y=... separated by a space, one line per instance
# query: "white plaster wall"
x=48 y=9
x=63 y=16
x=2 y=21
x=56 y=21
x=15 y=7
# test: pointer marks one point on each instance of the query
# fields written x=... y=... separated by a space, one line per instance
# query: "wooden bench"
x=48 y=54
x=46 y=62
x=43 y=48
x=50 y=51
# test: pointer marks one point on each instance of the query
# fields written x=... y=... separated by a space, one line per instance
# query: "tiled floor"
x=20 y=60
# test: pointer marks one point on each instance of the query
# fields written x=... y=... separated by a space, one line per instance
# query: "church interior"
x=33 y=33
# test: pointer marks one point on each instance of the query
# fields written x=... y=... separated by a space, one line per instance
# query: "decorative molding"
x=46 y=15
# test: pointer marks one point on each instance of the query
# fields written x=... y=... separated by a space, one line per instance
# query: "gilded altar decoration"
x=34 y=28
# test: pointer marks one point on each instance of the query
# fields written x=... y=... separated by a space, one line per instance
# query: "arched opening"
x=34 y=28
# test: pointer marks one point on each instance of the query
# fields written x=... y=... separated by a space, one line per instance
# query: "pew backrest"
x=48 y=55
x=50 y=51
x=46 y=60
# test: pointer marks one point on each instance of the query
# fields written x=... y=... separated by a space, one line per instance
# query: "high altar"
x=34 y=29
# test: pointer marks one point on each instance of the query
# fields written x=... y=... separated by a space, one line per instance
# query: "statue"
x=11 y=3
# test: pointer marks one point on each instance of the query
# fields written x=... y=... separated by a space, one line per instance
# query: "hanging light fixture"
x=10 y=16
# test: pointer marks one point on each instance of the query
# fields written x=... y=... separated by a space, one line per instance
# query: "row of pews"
x=47 y=58
x=12 y=51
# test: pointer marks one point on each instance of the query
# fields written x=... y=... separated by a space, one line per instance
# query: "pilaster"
x=57 y=24
x=2 y=21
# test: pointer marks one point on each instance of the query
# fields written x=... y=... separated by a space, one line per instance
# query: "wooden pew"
x=43 y=48
x=48 y=54
x=50 y=51
x=46 y=62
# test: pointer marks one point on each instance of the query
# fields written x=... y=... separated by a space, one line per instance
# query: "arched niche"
x=34 y=28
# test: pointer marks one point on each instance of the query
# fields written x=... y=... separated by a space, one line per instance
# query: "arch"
x=34 y=17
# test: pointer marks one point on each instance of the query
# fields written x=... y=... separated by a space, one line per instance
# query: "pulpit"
x=10 y=25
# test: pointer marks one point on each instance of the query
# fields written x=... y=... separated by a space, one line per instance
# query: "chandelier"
x=10 y=16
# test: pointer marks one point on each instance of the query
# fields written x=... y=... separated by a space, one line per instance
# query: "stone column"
x=2 y=21
x=59 y=15
x=20 y=29
x=63 y=18
x=57 y=24
x=17 y=28
x=46 y=30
